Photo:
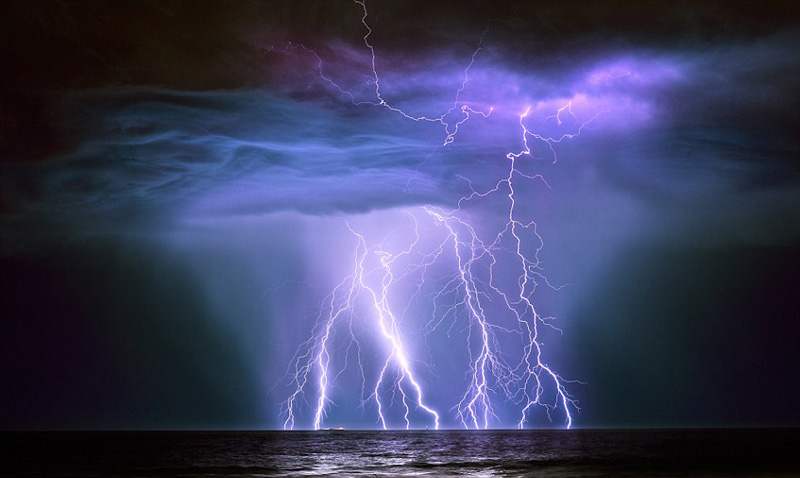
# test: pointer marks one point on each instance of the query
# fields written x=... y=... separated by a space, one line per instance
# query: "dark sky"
x=175 y=178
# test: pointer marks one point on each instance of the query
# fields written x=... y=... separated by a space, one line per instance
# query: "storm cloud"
x=167 y=133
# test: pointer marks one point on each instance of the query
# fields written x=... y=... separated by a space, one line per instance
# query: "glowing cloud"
x=510 y=250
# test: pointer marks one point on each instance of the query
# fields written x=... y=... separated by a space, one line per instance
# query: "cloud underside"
x=667 y=124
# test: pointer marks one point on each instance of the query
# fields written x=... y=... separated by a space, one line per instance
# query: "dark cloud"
x=154 y=153
x=672 y=127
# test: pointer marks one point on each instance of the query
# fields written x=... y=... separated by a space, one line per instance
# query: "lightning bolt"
x=375 y=284
x=391 y=333
x=526 y=380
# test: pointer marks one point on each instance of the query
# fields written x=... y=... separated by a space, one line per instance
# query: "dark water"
x=577 y=453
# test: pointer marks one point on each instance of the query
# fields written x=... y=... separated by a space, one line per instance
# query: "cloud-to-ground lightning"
x=467 y=300
x=374 y=283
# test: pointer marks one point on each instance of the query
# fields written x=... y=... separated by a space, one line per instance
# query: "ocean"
x=485 y=453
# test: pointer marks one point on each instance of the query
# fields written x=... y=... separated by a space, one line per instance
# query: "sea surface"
x=549 y=453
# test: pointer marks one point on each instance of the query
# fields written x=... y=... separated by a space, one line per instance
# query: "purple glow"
x=527 y=380
x=380 y=214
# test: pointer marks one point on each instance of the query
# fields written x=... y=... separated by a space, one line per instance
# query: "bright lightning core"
x=442 y=285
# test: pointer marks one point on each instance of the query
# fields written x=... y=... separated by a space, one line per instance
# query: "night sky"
x=176 y=181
